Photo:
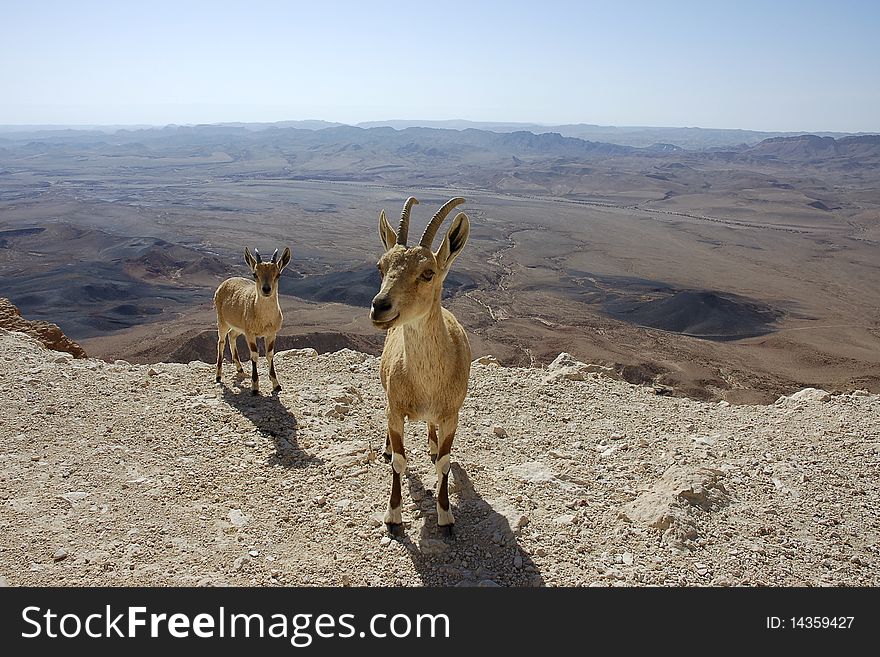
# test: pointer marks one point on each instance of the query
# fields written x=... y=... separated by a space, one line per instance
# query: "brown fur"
x=243 y=308
x=426 y=359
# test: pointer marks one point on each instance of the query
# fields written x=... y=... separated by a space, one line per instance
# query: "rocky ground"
x=46 y=332
x=119 y=474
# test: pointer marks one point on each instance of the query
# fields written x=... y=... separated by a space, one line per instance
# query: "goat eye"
x=427 y=275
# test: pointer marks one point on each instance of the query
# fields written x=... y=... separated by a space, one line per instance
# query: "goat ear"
x=249 y=259
x=285 y=259
x=386 y=232
x=453 y=243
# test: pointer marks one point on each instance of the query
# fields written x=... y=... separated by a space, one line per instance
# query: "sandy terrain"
x=740 y=274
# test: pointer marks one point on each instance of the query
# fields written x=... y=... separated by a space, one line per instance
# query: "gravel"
x=154 y=475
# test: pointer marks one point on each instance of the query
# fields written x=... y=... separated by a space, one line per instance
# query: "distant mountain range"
x=637 y=136
x=631 y=136
x=373 y=150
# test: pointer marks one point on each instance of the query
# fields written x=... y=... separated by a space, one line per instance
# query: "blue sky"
x=755 y=65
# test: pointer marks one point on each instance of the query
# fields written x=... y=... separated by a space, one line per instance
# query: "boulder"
x=50 y=335
x=679 y=487
x=566 y=367
x=807 y=395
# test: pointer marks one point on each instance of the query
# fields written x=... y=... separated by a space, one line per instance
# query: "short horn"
x=403 y=228
x=434 y=225
x=275 y=257
x=258 y=256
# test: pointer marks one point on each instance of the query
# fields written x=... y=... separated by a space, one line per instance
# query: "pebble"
x=75 y=496
x=385 y=540
x=499 y=431
x=60 y=555
x=518 y=561
x=432 y=546
x=237 y=518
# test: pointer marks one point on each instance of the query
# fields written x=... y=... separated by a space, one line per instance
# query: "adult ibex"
x=426 y=360
x=251 y=307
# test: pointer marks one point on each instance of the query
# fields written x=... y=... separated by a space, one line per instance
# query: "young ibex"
x=426 y=361
x=251 y=307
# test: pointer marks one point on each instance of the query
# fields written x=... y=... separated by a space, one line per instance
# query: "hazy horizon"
x=785 y=67
x=85 y=126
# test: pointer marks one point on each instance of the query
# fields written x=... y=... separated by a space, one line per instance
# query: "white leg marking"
x=393 y=516
x=442 y=466
x=444 y=517
x=398 y=462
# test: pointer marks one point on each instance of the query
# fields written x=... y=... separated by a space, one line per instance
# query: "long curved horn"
x=275 y=257
x=403 y=228
x=258 y=256
x=431 y=230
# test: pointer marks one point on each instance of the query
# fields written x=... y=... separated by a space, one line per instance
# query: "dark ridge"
x=357 y=287
x=697 y=313
x=20 y=232
x=707 y=314
x=95 y=298
x=133 y=310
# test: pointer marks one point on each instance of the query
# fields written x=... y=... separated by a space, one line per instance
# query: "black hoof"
x=447 y=531
x=394 y=529
x=387 y=457
x=254 y=393
x=276 y=389
x=217 y=380
x=433 y=458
